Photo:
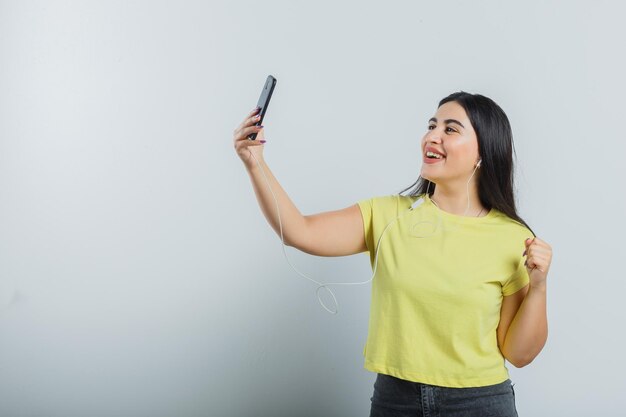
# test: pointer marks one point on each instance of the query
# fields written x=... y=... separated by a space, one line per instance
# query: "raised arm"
x=332 y=233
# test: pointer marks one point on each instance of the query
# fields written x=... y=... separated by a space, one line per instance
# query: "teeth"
x=436 y=155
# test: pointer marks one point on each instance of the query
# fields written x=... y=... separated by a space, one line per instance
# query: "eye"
x=450 y=129
x=431 y=127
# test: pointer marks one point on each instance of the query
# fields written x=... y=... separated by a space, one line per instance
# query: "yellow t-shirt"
x=438 y=289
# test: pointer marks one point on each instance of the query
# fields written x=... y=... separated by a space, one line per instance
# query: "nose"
x=433 y=136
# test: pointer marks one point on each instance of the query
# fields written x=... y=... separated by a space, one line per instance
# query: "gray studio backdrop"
x=138 y=276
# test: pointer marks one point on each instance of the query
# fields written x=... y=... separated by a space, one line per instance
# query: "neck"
x=454 y=200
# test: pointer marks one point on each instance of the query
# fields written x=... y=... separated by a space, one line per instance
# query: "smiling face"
x=450 y=134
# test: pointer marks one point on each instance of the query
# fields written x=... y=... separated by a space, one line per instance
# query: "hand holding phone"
x=245 y=135
x=264 y=101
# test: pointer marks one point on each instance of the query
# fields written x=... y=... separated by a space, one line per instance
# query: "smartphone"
x=264 y=101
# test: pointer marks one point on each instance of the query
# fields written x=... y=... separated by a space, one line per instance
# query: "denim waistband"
x=395 y=397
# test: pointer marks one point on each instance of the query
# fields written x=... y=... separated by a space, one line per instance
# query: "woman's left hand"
x=538 y=258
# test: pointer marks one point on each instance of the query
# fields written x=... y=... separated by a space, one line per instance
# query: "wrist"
x=252 y=165
x=538 y=287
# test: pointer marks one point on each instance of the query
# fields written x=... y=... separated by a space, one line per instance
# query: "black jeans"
x=395 y=397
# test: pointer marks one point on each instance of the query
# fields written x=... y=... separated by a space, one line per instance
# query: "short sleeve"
x=366 y=207
x=517 y=280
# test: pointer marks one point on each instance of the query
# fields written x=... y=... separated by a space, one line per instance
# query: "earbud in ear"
x=479 y=162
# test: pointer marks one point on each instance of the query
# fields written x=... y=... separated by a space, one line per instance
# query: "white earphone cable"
x=320 y=285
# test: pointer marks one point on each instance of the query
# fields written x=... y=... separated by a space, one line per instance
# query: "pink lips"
x=428 y=160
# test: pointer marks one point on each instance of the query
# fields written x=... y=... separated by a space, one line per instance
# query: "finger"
x=251 y=113
x=527 y=249
x=251 y=119
x=540 y=251
x=537 y=263
x=245 y=143
x=248 y=120
x=543 y=246
x=540 y=243
x=243 y=134
x=245 y=124
x=251 y=143
x=530 y=264
x=536 y=244
x=533 y=262
x=242 y=146
x=537 y=248
x=534 y=253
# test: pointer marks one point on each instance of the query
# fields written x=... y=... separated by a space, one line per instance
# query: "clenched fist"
x=538 y=258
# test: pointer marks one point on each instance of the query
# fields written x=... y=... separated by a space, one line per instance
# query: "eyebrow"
x=434 y=119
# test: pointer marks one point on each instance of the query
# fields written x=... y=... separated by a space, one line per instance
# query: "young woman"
x=461 y=283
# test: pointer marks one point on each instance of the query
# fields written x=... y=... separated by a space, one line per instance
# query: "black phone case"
x=264 y=101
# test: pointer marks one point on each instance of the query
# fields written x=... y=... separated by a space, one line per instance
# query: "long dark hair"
x=496 y=149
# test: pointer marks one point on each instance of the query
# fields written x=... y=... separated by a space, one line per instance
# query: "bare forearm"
x=528 y=331
x=292 y=220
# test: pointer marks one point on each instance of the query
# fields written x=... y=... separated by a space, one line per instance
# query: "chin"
x=429 y=178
